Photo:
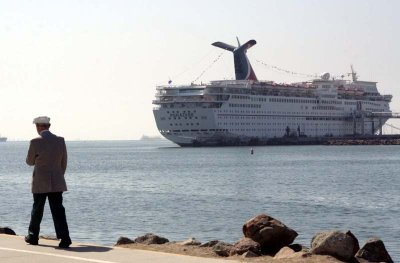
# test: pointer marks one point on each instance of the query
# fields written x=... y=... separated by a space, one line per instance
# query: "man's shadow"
x=82 y=248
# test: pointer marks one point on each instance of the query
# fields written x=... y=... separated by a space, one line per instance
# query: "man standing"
x=48 y=154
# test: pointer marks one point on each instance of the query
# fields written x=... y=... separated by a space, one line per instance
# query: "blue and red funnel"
x=243 y=69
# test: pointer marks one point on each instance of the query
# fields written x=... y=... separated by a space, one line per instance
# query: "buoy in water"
x=251 y=151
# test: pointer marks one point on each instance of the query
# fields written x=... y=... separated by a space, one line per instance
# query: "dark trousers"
x=57 y=211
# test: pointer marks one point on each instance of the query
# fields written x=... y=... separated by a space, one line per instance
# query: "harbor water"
x=129 y=188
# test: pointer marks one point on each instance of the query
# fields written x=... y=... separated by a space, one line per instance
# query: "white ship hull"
x=238 y=123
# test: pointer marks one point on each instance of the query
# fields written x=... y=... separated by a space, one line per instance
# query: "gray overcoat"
x=48 y=154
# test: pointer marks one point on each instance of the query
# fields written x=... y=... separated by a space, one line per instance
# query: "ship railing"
x=183 y=100
x=187 y=94
x=370 y=114
x=235 y=85
x=274 y=94
x=383 y=114
x=355 y=97
x=191 y=86
x=263 y=92
x=231 y=82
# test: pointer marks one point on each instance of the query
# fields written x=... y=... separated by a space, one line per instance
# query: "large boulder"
x=341 y=245
x=7 y=231
x=269 y=232
x=374 y=251
x=246 y=244
x=222 y=249
x=150 y=239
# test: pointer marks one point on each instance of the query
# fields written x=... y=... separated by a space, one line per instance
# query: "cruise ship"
x=247 y=111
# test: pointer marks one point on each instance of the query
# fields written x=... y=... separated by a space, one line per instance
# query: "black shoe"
x=31 y=240
x=65 y=243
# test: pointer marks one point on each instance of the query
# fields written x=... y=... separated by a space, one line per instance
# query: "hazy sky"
x=92 y=66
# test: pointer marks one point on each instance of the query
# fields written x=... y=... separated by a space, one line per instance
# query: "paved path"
x=13 y=249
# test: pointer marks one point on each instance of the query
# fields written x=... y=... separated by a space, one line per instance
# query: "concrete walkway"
x=13 y=249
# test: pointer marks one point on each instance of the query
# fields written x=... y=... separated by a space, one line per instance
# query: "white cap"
x=41 y=120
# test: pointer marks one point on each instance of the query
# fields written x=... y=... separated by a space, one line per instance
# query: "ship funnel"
x=243 y=69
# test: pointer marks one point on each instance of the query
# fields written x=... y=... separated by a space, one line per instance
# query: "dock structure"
x=360 y=118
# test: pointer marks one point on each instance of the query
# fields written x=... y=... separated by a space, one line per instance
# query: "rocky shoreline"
x=266 y=239
x=373 y=141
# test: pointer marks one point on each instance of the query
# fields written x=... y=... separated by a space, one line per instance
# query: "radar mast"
x=354 y=76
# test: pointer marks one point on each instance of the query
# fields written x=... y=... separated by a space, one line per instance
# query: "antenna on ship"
x=354 y=76
x=238 y=41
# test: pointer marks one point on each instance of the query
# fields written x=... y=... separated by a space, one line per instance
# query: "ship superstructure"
x=245 y=110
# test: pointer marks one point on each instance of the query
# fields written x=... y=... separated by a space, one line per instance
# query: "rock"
x=210 y=243
x=7 y=231
x=302 y=254
x=124 y=241
x=246 y=244
x=150 y=239
x=356 y=244
x=222 y=249
x=270 y=233
x=285 y=252
x=190 y=242
x=298 y=247
x=250 y=254
x=374 y=250
x=335 y=243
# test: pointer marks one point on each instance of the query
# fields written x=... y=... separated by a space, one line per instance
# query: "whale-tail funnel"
x=243 y=69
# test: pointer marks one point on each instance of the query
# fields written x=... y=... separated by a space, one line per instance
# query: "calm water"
x=133 y=187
